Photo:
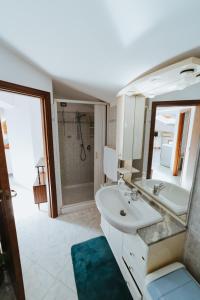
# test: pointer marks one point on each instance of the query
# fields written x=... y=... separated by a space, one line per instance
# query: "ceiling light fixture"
x=187 y=71
x=174 y=77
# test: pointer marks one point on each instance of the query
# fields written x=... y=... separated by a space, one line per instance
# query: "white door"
x=99 y=143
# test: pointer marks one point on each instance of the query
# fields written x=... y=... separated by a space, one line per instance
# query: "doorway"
x=9 y=241
x=76 y=143
x=46 y=123
x=81 y=131
x=21 y=122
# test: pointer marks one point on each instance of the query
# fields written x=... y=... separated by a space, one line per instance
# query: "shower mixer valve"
x=88 y=147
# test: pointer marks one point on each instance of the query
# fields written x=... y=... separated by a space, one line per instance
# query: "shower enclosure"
x=76 y=143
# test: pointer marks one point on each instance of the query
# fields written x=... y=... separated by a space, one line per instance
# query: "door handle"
x=13 y=193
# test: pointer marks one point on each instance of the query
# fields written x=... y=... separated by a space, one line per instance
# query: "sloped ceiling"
x=98 y=46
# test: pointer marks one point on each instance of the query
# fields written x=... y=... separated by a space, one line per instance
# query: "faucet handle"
x=161 y=185
x=158 y=187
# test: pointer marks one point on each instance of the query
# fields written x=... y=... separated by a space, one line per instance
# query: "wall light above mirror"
x=175 y=77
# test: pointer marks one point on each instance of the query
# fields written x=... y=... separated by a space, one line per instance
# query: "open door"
x=178 y=144
x=7 y=227
x=99 y=143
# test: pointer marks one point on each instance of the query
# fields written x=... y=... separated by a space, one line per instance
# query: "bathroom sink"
x=172 y=196
x=122 y=212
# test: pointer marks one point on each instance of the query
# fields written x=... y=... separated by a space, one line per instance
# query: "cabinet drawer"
x=136 y=247
x=136 y=262
x=135 y=269
x=130 y=283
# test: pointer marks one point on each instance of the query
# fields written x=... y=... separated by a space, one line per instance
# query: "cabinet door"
x=138 y=128
x=130 y=127
x=131 y=284
x=105 y=227
x=119 y=127
x=115 y=241
x=125 y=124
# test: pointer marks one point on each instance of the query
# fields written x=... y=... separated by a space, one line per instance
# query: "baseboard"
x=70 y=208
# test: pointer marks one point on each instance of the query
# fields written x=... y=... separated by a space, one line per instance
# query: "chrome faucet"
x=157 y=188
x=133 y=193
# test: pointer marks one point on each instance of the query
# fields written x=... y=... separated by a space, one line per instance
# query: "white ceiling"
x=98 y=46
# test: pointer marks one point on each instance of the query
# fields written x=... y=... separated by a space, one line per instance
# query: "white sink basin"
x=122 y=212
x=172 y=196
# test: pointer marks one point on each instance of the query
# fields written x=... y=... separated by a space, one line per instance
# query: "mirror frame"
x=168 y=103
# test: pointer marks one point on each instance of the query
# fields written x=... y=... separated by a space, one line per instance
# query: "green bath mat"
x=97 y=274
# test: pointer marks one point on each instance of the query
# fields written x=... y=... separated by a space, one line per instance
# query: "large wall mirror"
x=173 y=149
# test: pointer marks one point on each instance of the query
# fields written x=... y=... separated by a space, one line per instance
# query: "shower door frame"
x=74 y=207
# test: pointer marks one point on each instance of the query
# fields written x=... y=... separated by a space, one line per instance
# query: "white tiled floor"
x=77 y=194
x=45 y=246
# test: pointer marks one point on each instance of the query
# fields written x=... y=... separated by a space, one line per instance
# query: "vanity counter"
x=160 y=231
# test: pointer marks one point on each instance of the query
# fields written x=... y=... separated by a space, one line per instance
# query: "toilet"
x=172 y=282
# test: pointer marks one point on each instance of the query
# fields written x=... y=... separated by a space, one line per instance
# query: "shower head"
x=79 y=115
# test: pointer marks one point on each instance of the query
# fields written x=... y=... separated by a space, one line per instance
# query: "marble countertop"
x=162 y=230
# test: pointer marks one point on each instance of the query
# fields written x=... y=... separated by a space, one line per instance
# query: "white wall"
x=161 y=126
x=17 y=70
x=191 y=149
x=24 y=125
x=36 y=128
x=7 y=151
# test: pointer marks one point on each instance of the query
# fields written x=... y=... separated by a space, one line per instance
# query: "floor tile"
x=60 y=292
x=36 y=282
x=45 y=246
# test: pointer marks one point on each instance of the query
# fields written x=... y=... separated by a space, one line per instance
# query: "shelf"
x=124 y=171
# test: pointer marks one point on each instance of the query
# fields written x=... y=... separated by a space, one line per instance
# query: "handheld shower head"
x=80 y=136
x=79 y=116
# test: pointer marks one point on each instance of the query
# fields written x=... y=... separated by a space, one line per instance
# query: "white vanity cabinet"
x=135 y=254
x=115 y=240
x=130 y=126
x=114 y=237
x=136 y=259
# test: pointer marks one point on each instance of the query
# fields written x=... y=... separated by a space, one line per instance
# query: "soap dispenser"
x=121 y=182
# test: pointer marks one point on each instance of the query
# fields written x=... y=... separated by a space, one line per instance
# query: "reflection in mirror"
x=173 y=149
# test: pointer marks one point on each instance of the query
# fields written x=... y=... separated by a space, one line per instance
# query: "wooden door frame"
x=156 y=104
x=178 y=144
x=45 y=99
